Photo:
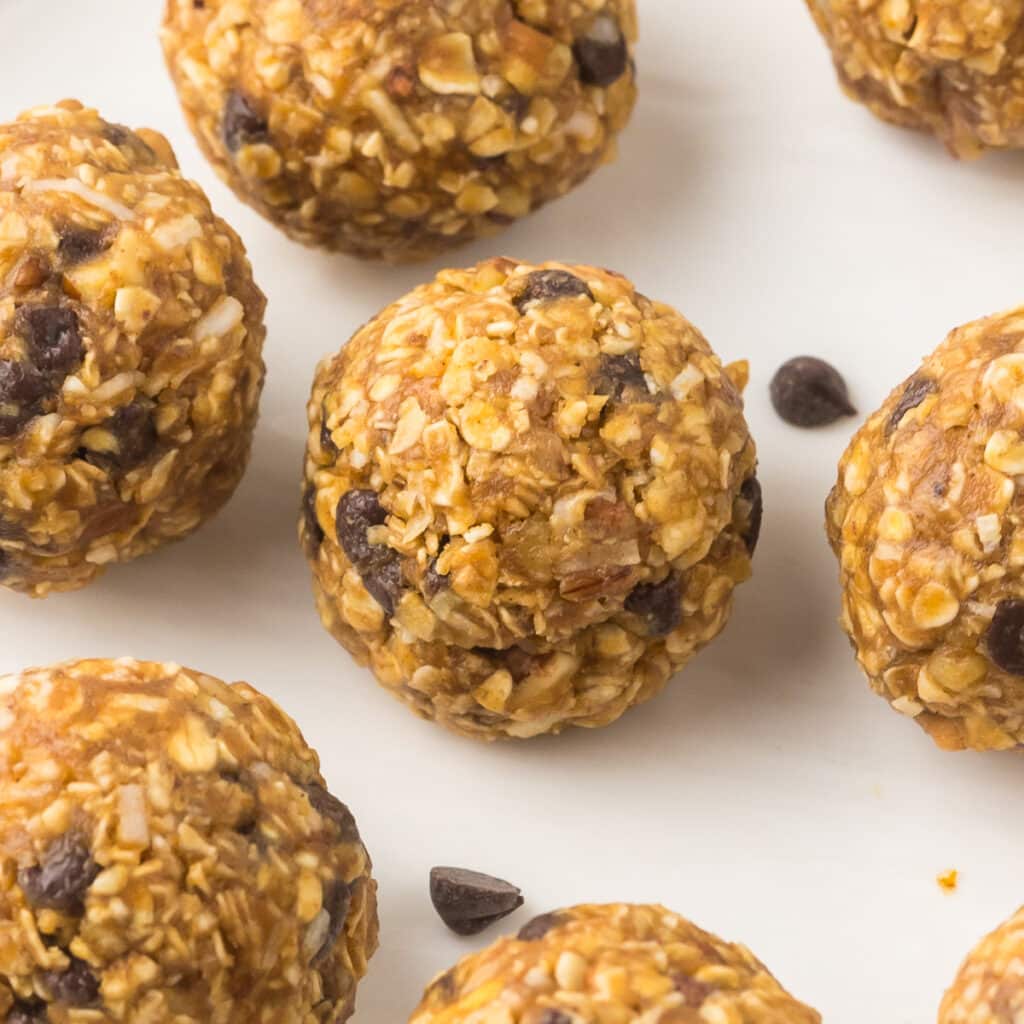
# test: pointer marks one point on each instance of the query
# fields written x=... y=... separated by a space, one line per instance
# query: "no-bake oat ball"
x=990 y=986
x=130 y=340
x=950 y=67
x=396 y=129
x=168 y=852
x=615 y=964
x=530 y=493
x=927 y=520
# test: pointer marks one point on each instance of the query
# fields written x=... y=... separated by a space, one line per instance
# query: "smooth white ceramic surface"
x=766 y=794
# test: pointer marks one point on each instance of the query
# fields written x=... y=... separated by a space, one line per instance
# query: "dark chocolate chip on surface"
x=22 y=388
x=548 y=285
x=1005 y=636
x=133 y=428
x=620 y=375
x=433 y=581
x=63 y=876
x=553 y=1016
x=469 y=901
x=378 y=565
x=314 y=531
x=76 y=986
x=539 y=927
x=337 y=897
x=327 y=445
x=808 y=392
x=242 y=123
x=915 y=392
x=751 y=493
x=78 y=244
x=53 y=337
x=694 y=992
x=26 y=1012
x=330 y=807
x=660 y=604
x=601 y=52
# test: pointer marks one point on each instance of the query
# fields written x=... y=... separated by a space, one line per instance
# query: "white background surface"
x=766 y=794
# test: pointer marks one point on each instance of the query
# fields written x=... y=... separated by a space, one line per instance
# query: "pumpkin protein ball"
x=130 y=349
x=989 y=989
x=620 y=962
x=927 y=520
x=949 y=67
x=169 y=853
x=529 y=494
x=396 y=129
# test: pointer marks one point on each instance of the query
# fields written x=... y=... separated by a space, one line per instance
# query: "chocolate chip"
x=553 y=1016
x=808 y=392
x=694 y=992
x=750 y=492
x=53 y=337
x=433 y=581
x=76 y=986
x=337 y=897
x=916 y=391
x=26 y=1012
x=133 y=428
x=314 y=531
x=78 y=244
x=22 y=388
x=601 y=53
x=469 y=901
x=1005 y=636
x=660 y=604
x=327 y=445
x=548 y=285
x=62 y=878
x=118 y=134
x=330 y=807
x=618 y=374
x=379 y=566
x=242 y=123
x=539 y=927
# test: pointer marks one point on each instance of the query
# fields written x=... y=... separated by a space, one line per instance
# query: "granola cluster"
x=130 y=340
x=990 y=986
x=613 y=964
x=168 y=852
x=530 y=493
x=928 y=525
x=396 y=130
x=950 y=67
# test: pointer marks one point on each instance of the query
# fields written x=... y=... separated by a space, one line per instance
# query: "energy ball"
x=595 y=964
x=397 y=130
x=529 y=494
x=990 y=986
x=927 y=520
x=949 y=67
x=130 y=341
x=169 y=853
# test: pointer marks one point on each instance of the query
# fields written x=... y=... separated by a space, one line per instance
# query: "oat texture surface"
x=130 y=349
x=615 y=964
x=169 y=855
x=529 y=494
x=398 y=128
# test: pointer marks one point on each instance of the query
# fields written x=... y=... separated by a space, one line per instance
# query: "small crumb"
x=949 y=880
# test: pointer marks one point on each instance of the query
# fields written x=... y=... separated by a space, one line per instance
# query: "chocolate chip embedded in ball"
x=917 y=389
x=79 y=244
x=469 y=902
x=53 y=337
x=76 y=985
x=330 y=807
x=242 y=123
x=378 y=565
x=1005 y=638
x=808 y=392
x=62 y=878
x=621 y=376
x=124 y=441
x=750 y=492
x=329 y=925
x=548 y=285
x=601 y=52
x=21 y=389
x=26 y=1012
x=539 y=926
x=694 y=992
x=660 y=604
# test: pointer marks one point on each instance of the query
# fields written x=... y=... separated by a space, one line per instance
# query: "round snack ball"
x=952 y=68
x=396 y=130
x=530 y=493
x=130 y=340
x=927 y=521
x=621 y=962
x=990 y=987
x=170 y=854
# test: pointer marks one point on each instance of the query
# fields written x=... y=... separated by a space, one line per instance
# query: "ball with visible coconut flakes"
x=130 y=349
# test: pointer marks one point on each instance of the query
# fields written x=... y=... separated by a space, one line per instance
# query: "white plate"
x=766 y=794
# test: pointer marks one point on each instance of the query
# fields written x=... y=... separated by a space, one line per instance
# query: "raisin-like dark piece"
x=330 y=807
x=133 y=428
x=1005 y=636
x=242 y=123
x=76 y=986
x=916 y=391
x=694 y=992
x=53 y=337
x=468 y=901
x=539 y=927
x=63 y=876
x=22 y=388
x=547 y=285
x=617 y=375
x=78 y=244
x=337 y=897
x=314 y=531
x=751 y=493
x=808 y=392
x=601 y=52
x=378 y=565
x=660 y=604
